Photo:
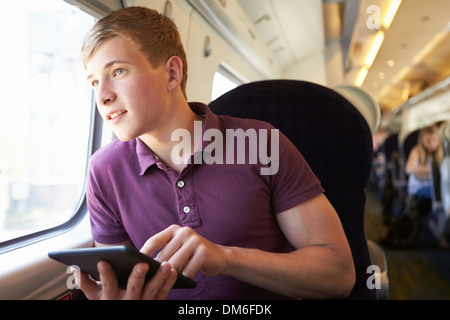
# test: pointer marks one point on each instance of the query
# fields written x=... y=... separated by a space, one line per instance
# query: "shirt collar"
x=145 y=155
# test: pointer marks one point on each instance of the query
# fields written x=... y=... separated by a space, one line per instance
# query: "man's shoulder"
x=113 y=152
x=229 y=122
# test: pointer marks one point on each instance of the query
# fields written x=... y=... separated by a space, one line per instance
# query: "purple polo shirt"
x=133 y=195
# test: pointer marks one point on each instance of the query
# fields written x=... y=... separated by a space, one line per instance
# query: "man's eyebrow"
x=108 y=65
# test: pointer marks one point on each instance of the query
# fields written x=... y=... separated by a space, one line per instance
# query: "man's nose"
x=105 y=94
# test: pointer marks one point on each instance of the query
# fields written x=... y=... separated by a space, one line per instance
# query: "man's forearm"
x=313 y=272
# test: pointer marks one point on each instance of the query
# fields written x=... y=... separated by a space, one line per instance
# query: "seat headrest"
x=329 y=131
x=365 y=104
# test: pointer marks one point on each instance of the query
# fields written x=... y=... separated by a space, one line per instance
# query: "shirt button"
x=180 y=184
x=186 y=209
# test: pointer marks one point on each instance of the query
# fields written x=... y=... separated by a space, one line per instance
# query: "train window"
x=44 y=127
x=224 y=81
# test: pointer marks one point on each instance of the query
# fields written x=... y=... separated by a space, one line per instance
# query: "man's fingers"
x=159 y=240
x=136 y=281
x=108 y=280
x=89 y=286
x=158 y=287
x=161 y=283
x=167 y=285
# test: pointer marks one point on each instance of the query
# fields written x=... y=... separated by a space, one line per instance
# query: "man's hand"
x=156 y=288
x=187 y=251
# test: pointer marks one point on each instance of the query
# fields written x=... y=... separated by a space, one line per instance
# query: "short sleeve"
x=106 y=225
x=294 y=182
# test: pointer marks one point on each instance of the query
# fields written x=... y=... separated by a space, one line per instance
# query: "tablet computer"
x=121 y=258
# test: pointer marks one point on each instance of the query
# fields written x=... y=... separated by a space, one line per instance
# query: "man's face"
x=131 y=95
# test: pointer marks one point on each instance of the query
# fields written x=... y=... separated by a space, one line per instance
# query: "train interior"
x=388 y=58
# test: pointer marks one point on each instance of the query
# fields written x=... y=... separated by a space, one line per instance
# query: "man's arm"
x=322 y=265
x=413 y=167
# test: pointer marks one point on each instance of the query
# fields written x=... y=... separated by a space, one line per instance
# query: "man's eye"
x=94 y=83
x=119 y=71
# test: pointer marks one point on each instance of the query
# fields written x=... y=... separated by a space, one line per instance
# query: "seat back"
x=334 y=139
x=445 y=184
x=390 y=145
x=435 y=180
x=445 y=169
x=409 y=143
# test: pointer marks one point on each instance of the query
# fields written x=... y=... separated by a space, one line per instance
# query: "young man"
x=251 y=236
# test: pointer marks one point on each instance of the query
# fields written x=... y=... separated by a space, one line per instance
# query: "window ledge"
x=28 y=272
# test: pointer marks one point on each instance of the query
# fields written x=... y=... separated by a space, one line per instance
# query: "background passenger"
x=418 y=204
x=429 y=147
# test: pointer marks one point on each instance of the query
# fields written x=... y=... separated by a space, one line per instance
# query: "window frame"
x=94 y=143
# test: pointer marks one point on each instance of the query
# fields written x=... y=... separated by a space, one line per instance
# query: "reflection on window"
x=45 y=115
x=223 y=82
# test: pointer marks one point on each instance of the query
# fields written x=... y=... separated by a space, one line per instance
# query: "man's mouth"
x=115 y=114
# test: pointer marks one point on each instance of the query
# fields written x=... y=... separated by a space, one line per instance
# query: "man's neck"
x=161 y=143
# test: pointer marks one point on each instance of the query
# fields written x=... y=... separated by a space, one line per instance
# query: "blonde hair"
x=156 y=36
x=437 y=154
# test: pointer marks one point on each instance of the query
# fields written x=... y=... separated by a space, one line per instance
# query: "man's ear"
x=174 y=68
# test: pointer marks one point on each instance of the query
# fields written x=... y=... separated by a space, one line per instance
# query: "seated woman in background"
x=418 y=204
x=428 y=147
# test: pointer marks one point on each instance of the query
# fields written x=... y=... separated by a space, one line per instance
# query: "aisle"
x=419 y=272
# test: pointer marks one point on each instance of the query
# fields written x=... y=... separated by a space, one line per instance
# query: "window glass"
x=223 y=82
x=45 y=115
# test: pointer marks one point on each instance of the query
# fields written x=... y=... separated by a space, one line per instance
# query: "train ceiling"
x=414 y=52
